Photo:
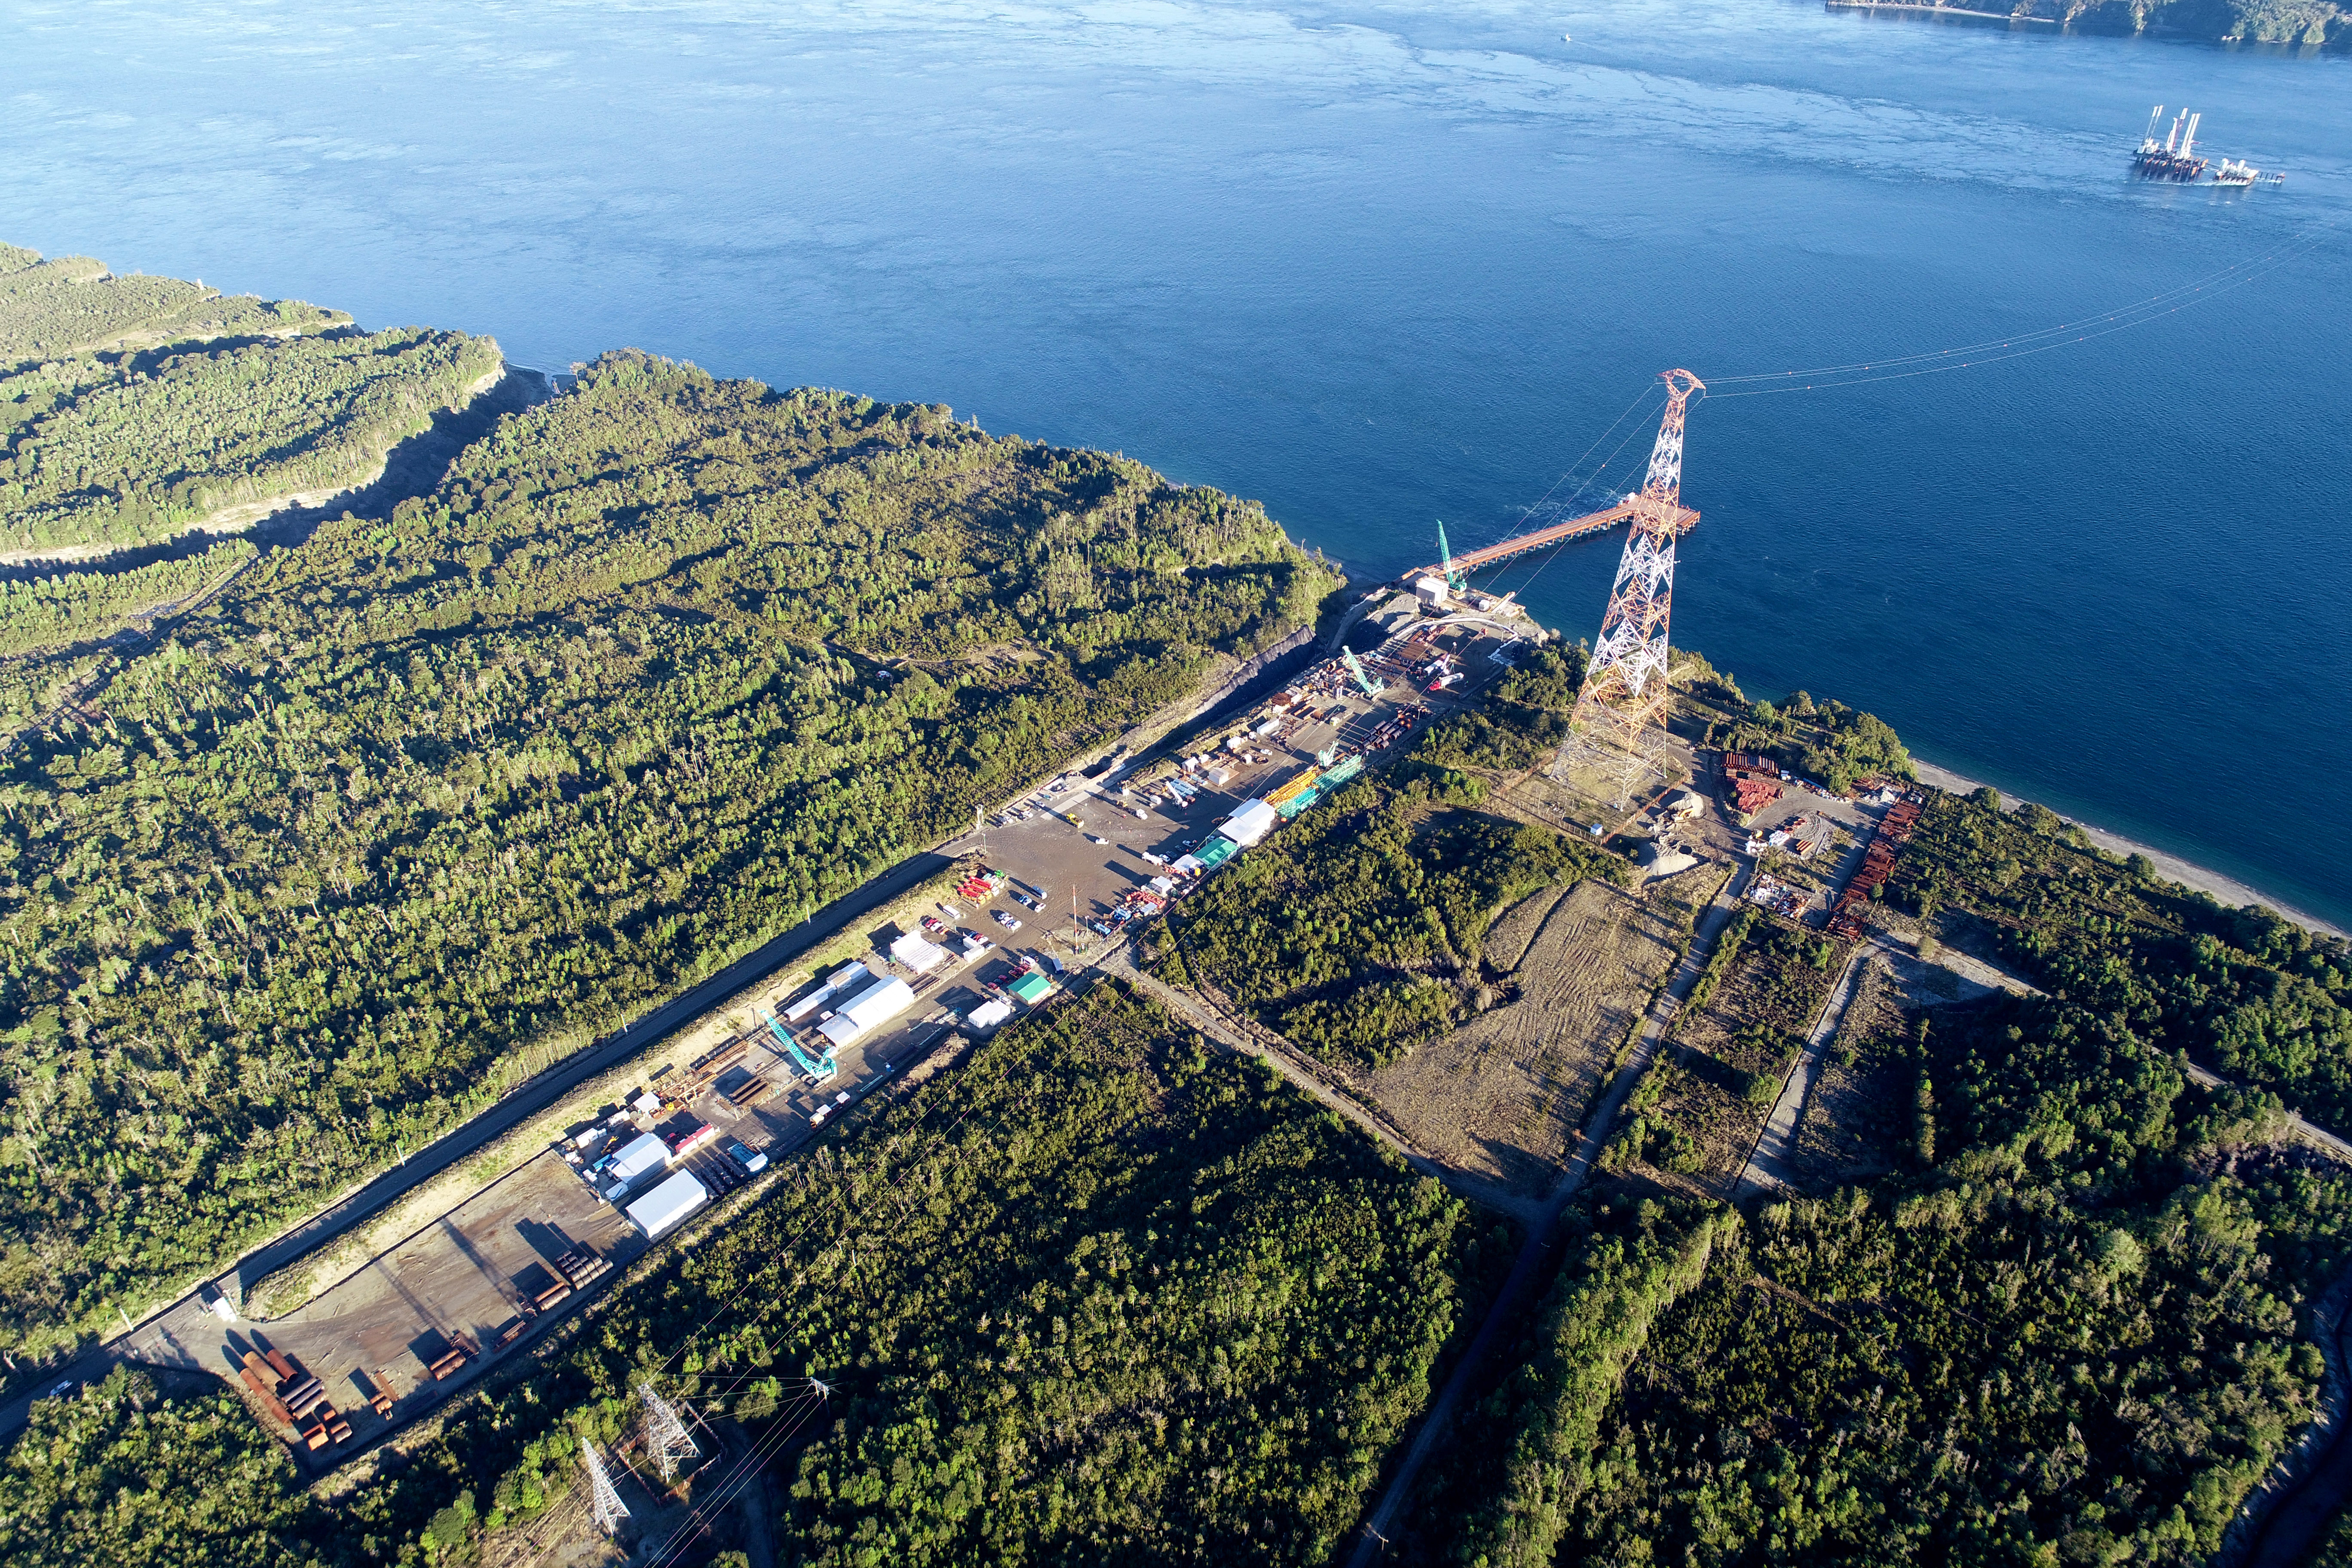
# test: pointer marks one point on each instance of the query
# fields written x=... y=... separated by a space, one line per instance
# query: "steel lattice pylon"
x=667 y=1438
x=603 y=1500
x=1619 y=729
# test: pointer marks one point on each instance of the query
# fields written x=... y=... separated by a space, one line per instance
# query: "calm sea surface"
x=1379 y=265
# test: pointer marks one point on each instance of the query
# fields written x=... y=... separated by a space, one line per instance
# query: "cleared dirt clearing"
x=1502 y=1097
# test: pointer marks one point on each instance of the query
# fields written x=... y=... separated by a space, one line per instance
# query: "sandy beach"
x=2233 y=893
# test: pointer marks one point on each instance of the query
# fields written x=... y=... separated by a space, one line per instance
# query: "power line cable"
x=1991 y=351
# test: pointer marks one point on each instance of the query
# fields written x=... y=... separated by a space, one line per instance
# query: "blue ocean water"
x=1377 y=265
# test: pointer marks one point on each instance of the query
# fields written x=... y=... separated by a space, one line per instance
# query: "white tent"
x=917 y=955
x=848 y=974
x=635 y=1161
x=666 y=1205
x=987 y=1015
x=1253 y=821
x=877 y=1003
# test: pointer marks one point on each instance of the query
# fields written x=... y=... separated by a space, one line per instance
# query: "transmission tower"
x=1619 y=729
x=606 y=1503
x=667 y=1438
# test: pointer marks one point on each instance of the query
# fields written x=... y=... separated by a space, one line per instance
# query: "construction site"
x=355 y=1345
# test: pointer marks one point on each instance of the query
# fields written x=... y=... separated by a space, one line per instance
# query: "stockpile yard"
x=412 y=1325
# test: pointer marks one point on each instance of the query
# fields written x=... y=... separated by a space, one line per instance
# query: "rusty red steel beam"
x=1591 y=522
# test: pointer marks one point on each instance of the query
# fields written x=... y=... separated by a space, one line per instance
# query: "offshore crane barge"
x=2175 y=158
x=2162 y=161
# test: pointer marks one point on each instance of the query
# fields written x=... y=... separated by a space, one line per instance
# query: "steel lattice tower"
x=603 y=1499
x=1618 y=727
x=666 y=1435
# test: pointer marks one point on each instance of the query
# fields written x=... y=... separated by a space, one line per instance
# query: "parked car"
x=1007 y=921
x=934 y=925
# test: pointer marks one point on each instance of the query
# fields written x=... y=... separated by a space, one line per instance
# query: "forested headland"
x=407 y=810
x=110 y=451
x=2322 y=23
x=73 y=305
x=415 y=807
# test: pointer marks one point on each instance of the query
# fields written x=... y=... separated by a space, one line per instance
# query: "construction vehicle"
x=1371 y=688
x=1455 y=578
x=817 y=1069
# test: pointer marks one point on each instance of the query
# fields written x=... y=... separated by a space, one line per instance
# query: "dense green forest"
x=2244 y=992
x=67 y=610
x=72 y=305
x=1098 y=1294
x=117 y=451
x=1355 y=931
x=1523 y=718
x=126 y=1473
x=2068 y=1333
x=417 y=806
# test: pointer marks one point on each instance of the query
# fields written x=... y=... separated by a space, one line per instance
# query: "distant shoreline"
x=1937 y=10
x=2187 y=873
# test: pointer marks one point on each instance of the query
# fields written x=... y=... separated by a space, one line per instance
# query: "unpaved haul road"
x=519 y=1105
x=1377 y=1529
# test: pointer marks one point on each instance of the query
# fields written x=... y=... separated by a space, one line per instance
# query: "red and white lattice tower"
x=1619 y=729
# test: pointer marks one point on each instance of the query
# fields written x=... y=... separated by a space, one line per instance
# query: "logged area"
x=417 y=807
x=1503 y=1096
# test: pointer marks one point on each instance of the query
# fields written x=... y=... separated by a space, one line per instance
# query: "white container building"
x=1253 y=821
x=847 y=975
x=663 y=1208
x=877 y=1004
x=633 y=1164
x=917 y=954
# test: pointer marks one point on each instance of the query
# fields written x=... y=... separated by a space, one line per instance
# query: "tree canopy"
x=417 y=807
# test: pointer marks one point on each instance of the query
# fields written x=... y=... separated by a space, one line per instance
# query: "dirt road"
x=1383 y=1520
